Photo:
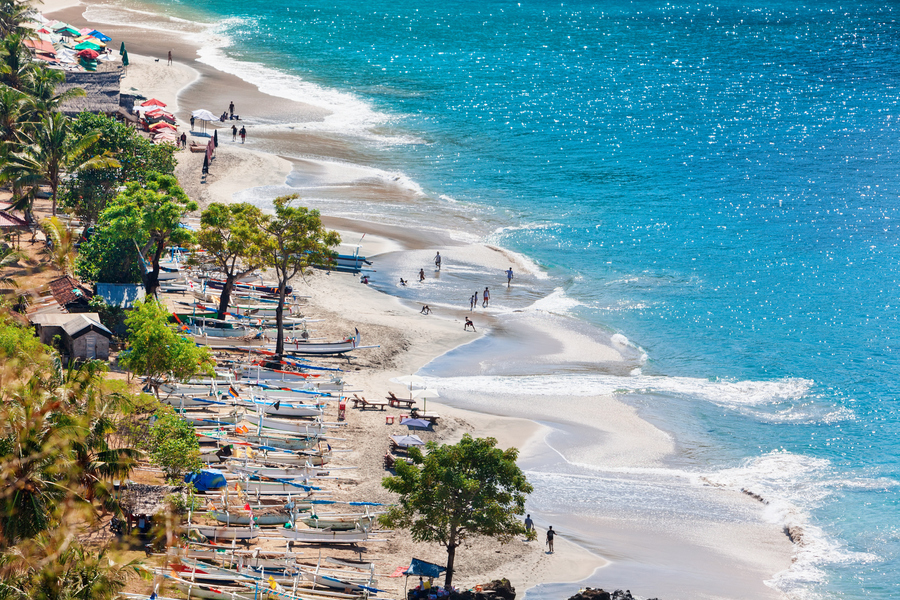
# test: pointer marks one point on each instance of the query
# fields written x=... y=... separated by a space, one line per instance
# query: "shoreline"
x=246 y=169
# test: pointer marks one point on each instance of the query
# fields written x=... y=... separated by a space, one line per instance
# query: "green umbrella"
x=125 y=58
x=122 y=49
x=88 y=46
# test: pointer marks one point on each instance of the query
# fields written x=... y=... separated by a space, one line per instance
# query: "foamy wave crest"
x=780 y=401
x=789 y=485
x=556 y=302
x=344 y=112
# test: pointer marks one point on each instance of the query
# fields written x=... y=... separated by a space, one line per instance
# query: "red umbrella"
x=154 y=102
x=89 y=54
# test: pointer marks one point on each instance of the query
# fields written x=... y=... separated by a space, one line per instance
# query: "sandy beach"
x=714 y=559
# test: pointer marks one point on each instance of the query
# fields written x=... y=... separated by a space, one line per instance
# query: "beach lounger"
x=362 y=404
x=399 y=402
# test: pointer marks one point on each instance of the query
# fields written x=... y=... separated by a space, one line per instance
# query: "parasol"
x=425 y=395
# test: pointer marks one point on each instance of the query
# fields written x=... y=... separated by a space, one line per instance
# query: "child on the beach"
x=468 y=324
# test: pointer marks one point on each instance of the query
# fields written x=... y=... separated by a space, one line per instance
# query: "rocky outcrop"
x=599 y=594
x=502 y=588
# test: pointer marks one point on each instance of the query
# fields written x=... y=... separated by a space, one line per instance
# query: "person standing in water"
x=486 y=298
x=234 y=133
x=231 y=108
x=509 y=276
x=170 y=58
x=437 y=261
x=421 y=275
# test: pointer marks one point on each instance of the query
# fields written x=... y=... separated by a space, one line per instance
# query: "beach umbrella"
x=425 y=395
x=416 y=423
x=100 y=36
x=204 y=115
x=87 y=46
x=216 y=138
x=205 y=163
x=407 y=441
x=91 y=54
x=153 y=102
x=125 y=59
x=122 y=49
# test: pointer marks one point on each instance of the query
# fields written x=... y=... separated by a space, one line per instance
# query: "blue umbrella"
x=416 y=423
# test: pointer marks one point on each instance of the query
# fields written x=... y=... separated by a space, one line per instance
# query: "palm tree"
x=47 y=153
x=62 y=246
x=12 y=15
x=41 y=86
x=16 y=65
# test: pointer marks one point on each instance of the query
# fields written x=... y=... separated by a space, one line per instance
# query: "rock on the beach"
x=502 y=588
x=599 y=594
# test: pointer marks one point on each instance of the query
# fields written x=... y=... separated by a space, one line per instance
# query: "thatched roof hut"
x=101 y=87
x=144 y=500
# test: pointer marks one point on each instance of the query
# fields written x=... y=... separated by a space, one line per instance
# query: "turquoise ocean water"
x=719 y=183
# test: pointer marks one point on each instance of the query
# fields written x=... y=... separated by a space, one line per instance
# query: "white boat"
x=271 y=488
x=352 y=536
x=348 y=585
x=198 y=590
x=262 y=520
x=287 y=473
x=284 y=443
x=339 y=522
x=299 y=428
x=227 y=533
x=284 y=409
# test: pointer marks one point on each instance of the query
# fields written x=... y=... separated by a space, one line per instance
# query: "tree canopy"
x=456 y=491
x=149 y=214
x=157 y=351
x=295 y=240
x=88 y=191
x=233 y=239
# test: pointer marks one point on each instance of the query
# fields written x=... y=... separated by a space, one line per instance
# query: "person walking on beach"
x=509 y=276
x=437 y=261
x=170 y=58
x=529 y=524
x=468 y=324
x=471 y=302
x=231 y=108
x=243 y=133
x=192 y=122
x=550 y=535
x=183 y=140
x=234 y=133
x=426 y=310
x=421 y=275
x=486 y=298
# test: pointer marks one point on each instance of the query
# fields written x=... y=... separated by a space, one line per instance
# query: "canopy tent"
x=162 y=125
x=67 y=31
x=100 y=36
x=88 y=46
x=204 y=115
x=91 y=54
x=153 y=102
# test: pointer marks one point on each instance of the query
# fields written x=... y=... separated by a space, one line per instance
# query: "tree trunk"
x=279 y=317
x=153 y=275
x=226 y=296
x=53 y=188
x=451 y=558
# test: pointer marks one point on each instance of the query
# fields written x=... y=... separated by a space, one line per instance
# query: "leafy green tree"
x=150 y=214
x=88 y=191
x=173 y=445
x=232 y=236
x=107 y=258
x=42 y=87
x=46 y=153
x=295 y=240
x=455 y=491
x=157 y=351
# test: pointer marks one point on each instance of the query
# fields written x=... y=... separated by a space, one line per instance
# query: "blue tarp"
x=100 y=36
x=424 y=569
x=207 y=479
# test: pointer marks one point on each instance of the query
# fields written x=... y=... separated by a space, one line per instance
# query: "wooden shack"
x=48 y=325
x=141 y=502
x=85 y=338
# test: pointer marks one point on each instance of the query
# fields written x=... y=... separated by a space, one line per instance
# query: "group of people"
x=235 y=133
x=229 y=115
x=485 y=299
x=529 y=527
